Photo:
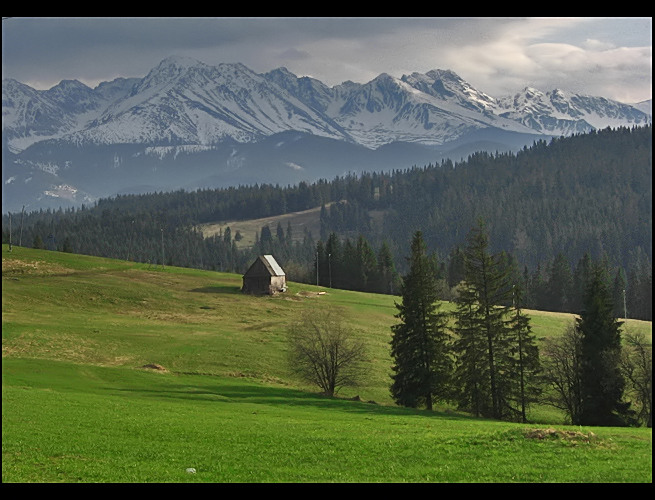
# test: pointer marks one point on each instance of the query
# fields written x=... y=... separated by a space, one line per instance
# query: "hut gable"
x=265 y=276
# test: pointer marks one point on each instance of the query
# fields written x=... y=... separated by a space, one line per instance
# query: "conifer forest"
x=552 y=212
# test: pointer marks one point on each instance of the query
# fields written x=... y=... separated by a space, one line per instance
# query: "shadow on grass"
x=229 y=289
x=277 y=396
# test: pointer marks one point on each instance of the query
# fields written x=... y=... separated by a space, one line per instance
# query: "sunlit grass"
x=99 y=424
x=79 y=406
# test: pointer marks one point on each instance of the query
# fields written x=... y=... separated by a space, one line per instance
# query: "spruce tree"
x=471 y=373
x=524 y=363
x=581 y=278
x=419 y=348
x=367 y=265
x=602 y=383
x=38 y=242
x=386 y=270
x=481 y=321
x=560 y=282
x=279 y=233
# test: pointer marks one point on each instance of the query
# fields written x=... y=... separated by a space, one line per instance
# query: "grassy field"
x=120 y=372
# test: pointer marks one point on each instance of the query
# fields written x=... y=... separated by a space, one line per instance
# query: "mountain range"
x=189 y=125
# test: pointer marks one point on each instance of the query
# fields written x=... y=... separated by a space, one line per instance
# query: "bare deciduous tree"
x=637 y=368
x=561 y=364
x=324 y=351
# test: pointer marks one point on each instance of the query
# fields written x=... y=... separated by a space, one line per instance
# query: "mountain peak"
x=385 y=80
x=282 y=70
x=169 y=69
x=179 y=61
x=282 y=76
x=174 y=66
x=443 y=74
x=532 y=92
x=385 y=77
x=71 y=84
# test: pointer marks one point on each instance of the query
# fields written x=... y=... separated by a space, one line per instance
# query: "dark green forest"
x=551 y=210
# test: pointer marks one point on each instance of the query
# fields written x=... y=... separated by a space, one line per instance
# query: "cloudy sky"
x=608 y=57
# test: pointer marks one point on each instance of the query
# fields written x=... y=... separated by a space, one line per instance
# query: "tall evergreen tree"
x=350 y=266
x=581 y=279
x=333 y=251
x=471 y=373
x=68 y=246
x=321 y=270
x=455 y=267
x=481 y=313
x=524 y=365
x=419 y=345
x=279 y=233
x=38 y=242
x=537 y=289
x=266 y=240
x=386 y=270
x=558 y=288
x=602 y=383
x=640 y=286
x=367 y=265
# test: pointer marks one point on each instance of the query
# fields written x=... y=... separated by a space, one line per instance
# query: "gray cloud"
x=611 y=57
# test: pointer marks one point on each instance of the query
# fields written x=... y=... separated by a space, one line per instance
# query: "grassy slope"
x=77 y=331
x=250 y=229
x=307 y=219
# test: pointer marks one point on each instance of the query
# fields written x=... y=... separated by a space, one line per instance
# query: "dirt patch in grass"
x=16 y=268
x=44 y=344
x=568 y=436
x=155 y=367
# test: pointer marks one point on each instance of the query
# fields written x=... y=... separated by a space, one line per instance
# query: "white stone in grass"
x=191 y=470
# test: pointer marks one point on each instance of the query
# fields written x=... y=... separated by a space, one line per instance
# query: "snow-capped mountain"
x=184 y=101
x=563 y=113
x=30 y=116
x=78 y=142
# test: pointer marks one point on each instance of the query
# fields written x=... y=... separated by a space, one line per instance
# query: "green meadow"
x=116 y=371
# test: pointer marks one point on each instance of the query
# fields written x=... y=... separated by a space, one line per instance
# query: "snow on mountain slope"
x=564 y=113
x=30 y=116
x=416 y=109
x=446 y=85
x=183 y=101
x=645 y=106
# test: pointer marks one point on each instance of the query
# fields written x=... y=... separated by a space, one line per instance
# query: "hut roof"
x=272 y=265
x=266 y=264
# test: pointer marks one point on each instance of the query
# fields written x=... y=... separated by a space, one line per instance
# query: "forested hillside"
x=550 y=208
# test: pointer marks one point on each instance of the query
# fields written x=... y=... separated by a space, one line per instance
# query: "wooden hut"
x=265 y=276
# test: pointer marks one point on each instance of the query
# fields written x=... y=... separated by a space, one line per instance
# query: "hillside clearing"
x=306 y=220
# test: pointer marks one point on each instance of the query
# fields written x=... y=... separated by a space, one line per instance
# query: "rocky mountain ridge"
x=190 y=125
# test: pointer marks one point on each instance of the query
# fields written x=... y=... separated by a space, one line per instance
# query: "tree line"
x=552 y=208
x=489 y=363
